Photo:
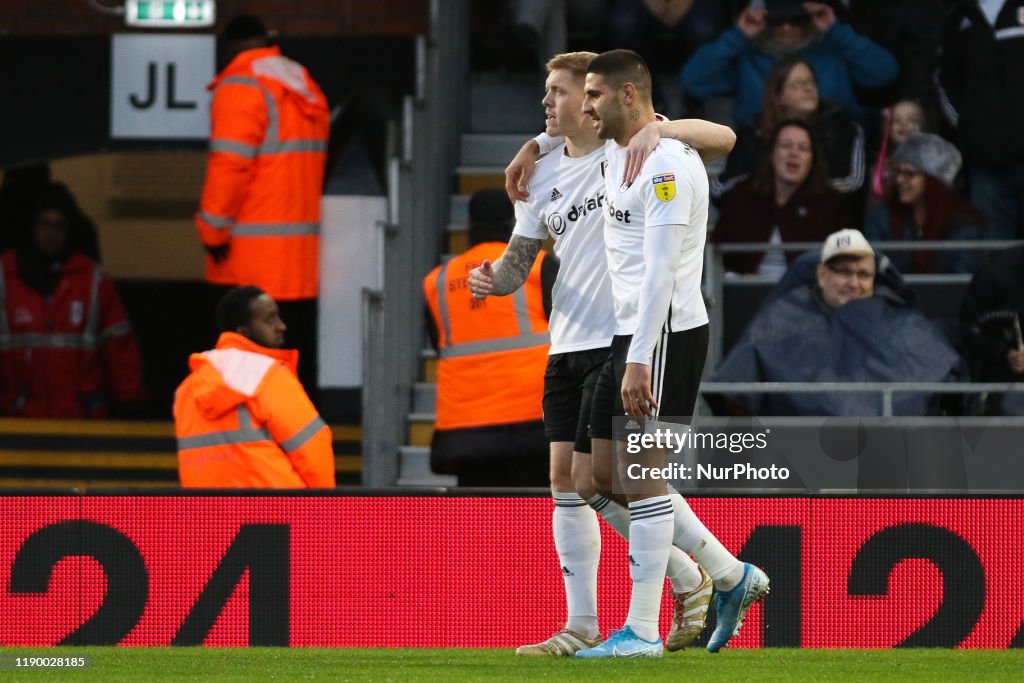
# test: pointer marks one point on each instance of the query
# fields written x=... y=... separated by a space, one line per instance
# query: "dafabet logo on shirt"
x=664 y=187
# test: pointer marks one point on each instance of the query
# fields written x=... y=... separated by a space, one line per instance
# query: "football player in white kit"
x=654 y=241
x=567 y=200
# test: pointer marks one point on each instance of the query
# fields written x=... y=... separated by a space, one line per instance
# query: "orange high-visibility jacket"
x=264 y=176
x=493 y=352
x=243 y=420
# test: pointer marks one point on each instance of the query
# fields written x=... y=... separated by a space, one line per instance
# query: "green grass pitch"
x=463 y=666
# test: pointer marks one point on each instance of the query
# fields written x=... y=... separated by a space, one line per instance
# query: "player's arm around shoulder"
x=710 y=140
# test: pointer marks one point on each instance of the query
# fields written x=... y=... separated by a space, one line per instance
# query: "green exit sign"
x=170 y=13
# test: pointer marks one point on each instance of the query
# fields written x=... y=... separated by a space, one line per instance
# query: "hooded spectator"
x=923 y=205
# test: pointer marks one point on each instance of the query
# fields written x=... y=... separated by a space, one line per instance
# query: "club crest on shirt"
x=664 y=187
x=76 y=313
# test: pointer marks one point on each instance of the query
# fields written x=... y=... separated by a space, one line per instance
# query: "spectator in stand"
x=923 y=205
x=737 y=64
x=18 y=194
x=492 y=354
x=899 y=121
x=636 y=24
x=541 y=27
x=980 y=73
x=66 y=348
x=991 y=319
x=788 y=200
x=791 y=92
x=843 y=314
x=912 y=33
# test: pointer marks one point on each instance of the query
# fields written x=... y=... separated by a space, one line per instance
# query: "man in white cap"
x=843 y=314
x=847 y=268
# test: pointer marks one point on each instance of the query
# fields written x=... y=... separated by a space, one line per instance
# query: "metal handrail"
x=919 y=245
x=418 y=187
x=713 y=286
x=886 y=389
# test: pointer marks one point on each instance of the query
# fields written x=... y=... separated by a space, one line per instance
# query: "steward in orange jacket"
x=242 y=418
x=493 y=354
x=259 y=216
x=493 y=351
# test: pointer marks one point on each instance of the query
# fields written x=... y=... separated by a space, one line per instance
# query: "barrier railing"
x=884 y=389
x=715 y=279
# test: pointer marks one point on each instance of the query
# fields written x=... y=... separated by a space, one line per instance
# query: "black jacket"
x=995 y=296
x=982 y=76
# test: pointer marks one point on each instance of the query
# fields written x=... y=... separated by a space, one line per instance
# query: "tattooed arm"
x=508 y=273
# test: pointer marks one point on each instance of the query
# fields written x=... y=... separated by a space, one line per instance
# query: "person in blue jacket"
x=738 y=63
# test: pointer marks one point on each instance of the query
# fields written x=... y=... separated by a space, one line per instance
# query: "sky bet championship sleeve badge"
x=664 y=186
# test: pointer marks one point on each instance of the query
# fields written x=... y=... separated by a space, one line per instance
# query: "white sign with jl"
x=158 y=86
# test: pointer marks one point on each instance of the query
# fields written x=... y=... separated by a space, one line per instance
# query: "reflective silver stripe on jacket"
x=297 y=145
x=274 y=229
x=493 y=345
x=219 y=222
x=252 y=151
x=525 y=340
x=442 y=305
x=245 y=433
x=303 y=435
x=116 y=330
x=88 y=340
x=41 y=340
x=242 y=149
x=92 y=324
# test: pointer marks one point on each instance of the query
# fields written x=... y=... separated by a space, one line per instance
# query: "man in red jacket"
x=66 y=348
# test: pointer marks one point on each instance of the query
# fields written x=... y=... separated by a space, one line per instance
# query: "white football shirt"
x=672 y=189
x=567 y=201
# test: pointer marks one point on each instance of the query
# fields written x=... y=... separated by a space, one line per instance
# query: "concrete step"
x=472 y=179
x=491 y=149
x=421 y=428
x=458 y=242
x=429 y=364
x=414 y=469
x=506 y=103
x=424 y=397
x=458 y=210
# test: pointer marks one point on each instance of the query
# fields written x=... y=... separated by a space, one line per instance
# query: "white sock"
x=694 y=538
x=578 y=543
x=682 y=571
x=650 y=538
x=613 y=513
